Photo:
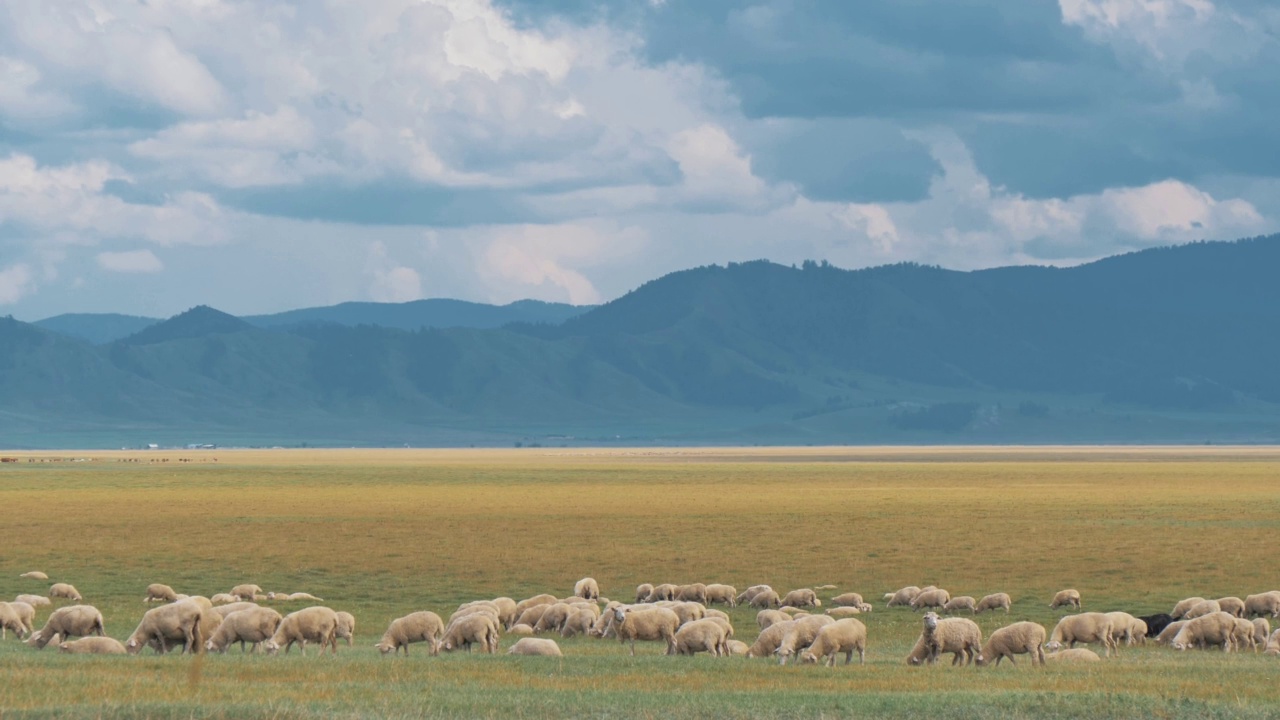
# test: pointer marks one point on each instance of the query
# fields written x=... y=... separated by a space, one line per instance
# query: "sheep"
x=553 y=618
x=665 y=591
x=34 y=575
x=631 y=624
x=254 y=626
x=506 y=610
x=223 y=599
x=579 y=622
x=1181 y=607
x=801 y=635
x=209 y=618
x=694 y=592
x=33 y=600
x=587 y=588
x=802 y=598
x=688 y=611
x=159 y=592
x=1202 y=608
x=346 y=626
x=317 y=624
x=707 y=636
x=905 y=596
x=69 y=621
x=1267 y=603
x=543 y=599
x=931 y=599
x=737 y=648
x=993 y=602
x=224 y=610
x=960 y=636
x=1213 y=629
x=842 y=636
x=63 y=590
x=1156 y=623
x=1232 y=605
x=422 y=626
x=93 y=646
x=769 y=639
x=1126 y=626
x=295 y=597
x=712 y=612
x=1073 y=655
x=1261 y=631
x=765 y=598
x=747 y=595
x=1015 y=639
x=850 y=599
x=720 y=593
x=1244 y=634
x=167 y=626
x=247 y=592
x=532 y=615
x=469 y=630
x=521 y=629
x=1064 y=598
x=1087 y=627
x=603 y=625
x=18 y=617
x=844 y=612
x=963 y=602
x=1170 y=631
x=1273 y=644
x=643 y=590
x=536 y=646
x=766 y=618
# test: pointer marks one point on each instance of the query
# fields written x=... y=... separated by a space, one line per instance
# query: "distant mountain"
x=418 y=314
x=97 y=328
x=1168 y=345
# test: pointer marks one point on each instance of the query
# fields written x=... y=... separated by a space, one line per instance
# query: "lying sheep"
x=962 y=602
x=927 y=599
x=1087 y=627
x=33 y=600
x=994 y=601
x=631 y=624
x=844 y=612
x=536 y=646
x=422 y=626
x=247 y=591
x=167 y=626
x=842 y=636
x=768 y=617
x=802 y=598
x=1267 y=603
x=801 y=635
x=295 y=597
x=1065 y=598
x=903 y=597
x=1232 y=606
x=1170 y=631
x=1073 y=655
x=707 y=636
x=750 y=593
x=1015 y=639
x=18 y=617
x=521 y=629
x=1202 y=608
x=587 y=588
x=769 y=639
x=159 y=592
x=254 y=626
x=737 y=648
x=223 y=599
x=1215 y=629
x=316 y=624
x=642 y=592
x=766 y=598
x=68 y=622
x=34 y=575
x=478 y=629
x=93 y=646
x=850 y=599
x=960 y=636
x=720 y=593
x=1156 y=623
x=65 y=591
x=346 y=626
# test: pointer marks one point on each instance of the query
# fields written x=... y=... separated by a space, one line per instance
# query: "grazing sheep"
x=665 y=591
x=801 y=635
x=225 y=610
x=473 y=629
x=750 y=593
x=1181 y=607
x=346 y=626
x=34 y=575
x=1214 y=629
x=765 y=618
x=223 y=599
x=842 y=636
x=802 y=598
x=70 y=621
x=1261 y=631
x=720 y=593
x=903 y=597
x=587 y=588
x=643 y=590
x=536 y=600
x=1267 y=603
x=1171 y=631
x=168 y=626
x=1244 y=634
x=521 y=629
x=693 y=592
x=316 y=624
x=1064 y=598
x=159 y=592
x=1015 y=639
x=65 y=591
x=531 y=615
x=713 y=612
x=553 y=618
x=707 y=636
x=769 y=639
x=766 y=598
x=536 y=646
x=579 y=622
x=18 y=617
x=1126 y=626
x=688 y=611
x=960 y=636
x=963 y=602
x=93 y=646
x=844 y=612
x=993 y=601
x=33 y=600
x=850 y=599
x=422 y=626
x=1073 y=655
x=737 y=648
x=248 y=592
x=631 y=624
x=254 y=626
x=506 y=610
x=603 y=625
x=1202 y=608
x=1273 y=644
x=1232 y=605
x=1087 y=627
x=1156 y=623
x=937 y=598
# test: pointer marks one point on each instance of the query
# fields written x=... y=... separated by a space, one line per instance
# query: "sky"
x=256 y=157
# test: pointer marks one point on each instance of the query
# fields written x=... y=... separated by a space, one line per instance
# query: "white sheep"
x=1087 y=627
x=422 y=626
x=747 y=595
x=536 y=600
x=167 y=626
x=960 y=636
x=1065 y=598
x=93 y=646
x=961 y=602
x=688 y=611
x=506 y=610
x=18 y=617
x=64 y=590
x=631 y=624
x=587 y=588
x=993 y=602
x=295 y=597
x=522 y=629
x=842 y=636
x=769 y=639
x=536 y=647
x=1128 y=627
x=802 y=598
x=1261 y=631
x=768 y=617
x=844 y=612
x=766 y=598
x=693 y=592
x=1273 y=643
x=1244 y=634
x=1267 y=603
x=1202 y=608
x=223 y=599
x=248 y=591
x=709 y=636
x=800 y=635
x=1181 y=607
x=1073 y=655
x=33 y=600
x=70 y=621
x=737 y=648
x=479 y=629
x=643 y=590
x=936 y=598
x=903 y=597
x=553 y=618
x=531 y=615
x=1015 y=639
x=34 y=575
x=579 y=622
x=1170 y=631
x=159 y=592
x=254 y=626
x=346 y=626
x=1231 y=605
x=721 y=593
x=663 y=591
x=1214 y=629
x=849 y=599
x=316 y=624
x=225 y=610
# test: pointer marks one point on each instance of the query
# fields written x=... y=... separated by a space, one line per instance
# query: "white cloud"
x=131 y=261
x=16 y=281
x=22 y=97
x=390 y=282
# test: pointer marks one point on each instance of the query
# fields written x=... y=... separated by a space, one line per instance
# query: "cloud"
x=132 y=261
x=391 y=282
x=22 y=98
x=16 y=281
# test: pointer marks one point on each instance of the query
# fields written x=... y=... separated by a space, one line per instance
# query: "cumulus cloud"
x=390 y=282
x=131 y=261
x=16 y=281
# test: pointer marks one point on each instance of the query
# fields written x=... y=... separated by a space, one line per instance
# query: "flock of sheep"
x=680 y=616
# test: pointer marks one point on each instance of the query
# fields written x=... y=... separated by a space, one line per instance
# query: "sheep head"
x=931 y=620
x=384 y=647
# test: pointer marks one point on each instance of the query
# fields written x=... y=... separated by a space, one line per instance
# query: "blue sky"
x=264 y=156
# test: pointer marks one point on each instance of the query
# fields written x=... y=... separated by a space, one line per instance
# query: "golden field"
x=381 y=533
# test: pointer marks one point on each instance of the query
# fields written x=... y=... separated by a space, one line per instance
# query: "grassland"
x=381 y=533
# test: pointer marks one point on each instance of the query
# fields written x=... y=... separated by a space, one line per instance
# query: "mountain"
x=97 y=328
x=1166 y=345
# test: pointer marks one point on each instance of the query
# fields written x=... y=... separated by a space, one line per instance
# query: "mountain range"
x=1165 y=345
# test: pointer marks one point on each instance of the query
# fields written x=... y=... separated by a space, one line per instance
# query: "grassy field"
x=383 y=533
